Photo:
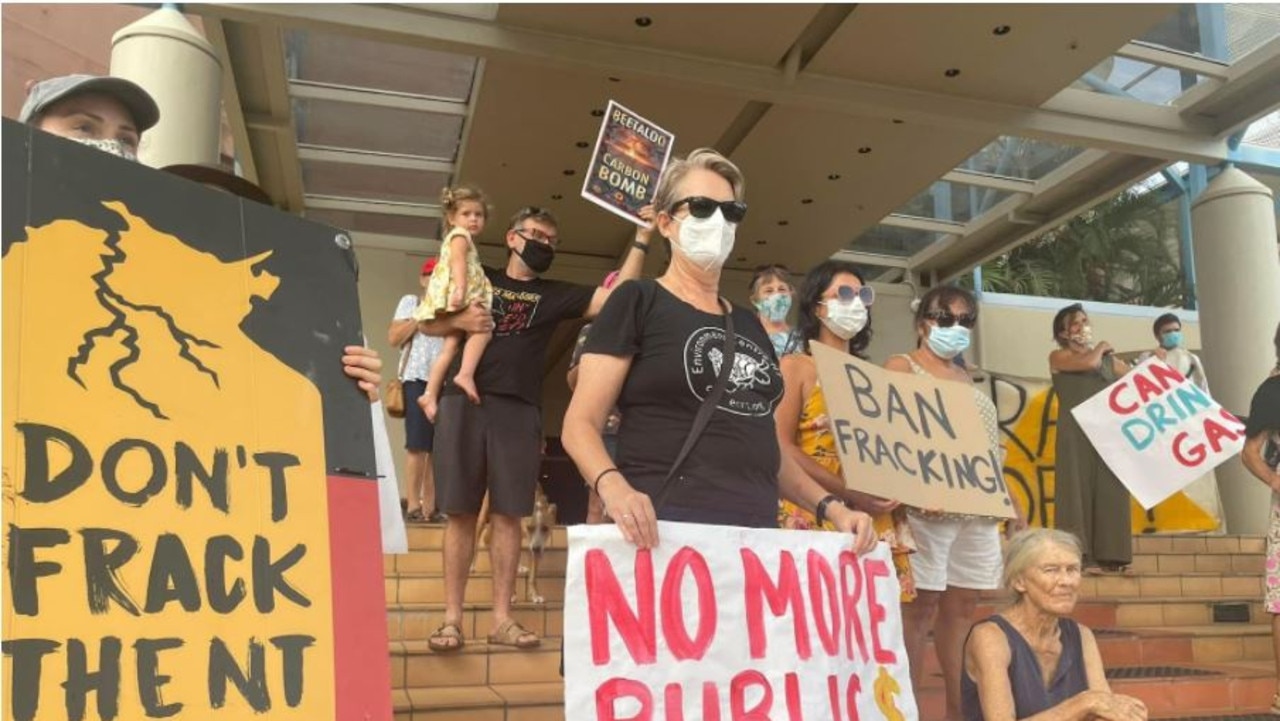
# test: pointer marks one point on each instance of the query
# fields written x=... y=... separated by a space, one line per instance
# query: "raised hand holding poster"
x=188 y=531
x=1158 y=431
x=911 y=438
x=629 y=157
x=721 y=622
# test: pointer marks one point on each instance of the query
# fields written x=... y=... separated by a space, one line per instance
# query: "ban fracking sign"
x=1158 y=431
x=734 y=623
x=179 y=454
x=911 y=438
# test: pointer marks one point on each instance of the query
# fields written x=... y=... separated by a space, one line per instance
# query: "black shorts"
x=495 y=446
x=419 y=434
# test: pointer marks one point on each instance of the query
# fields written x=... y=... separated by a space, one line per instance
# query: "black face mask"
x=537 y=256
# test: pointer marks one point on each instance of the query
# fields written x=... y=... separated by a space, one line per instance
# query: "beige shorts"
x=960 y=552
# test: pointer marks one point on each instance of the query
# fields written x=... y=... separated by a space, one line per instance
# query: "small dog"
x=540 y=524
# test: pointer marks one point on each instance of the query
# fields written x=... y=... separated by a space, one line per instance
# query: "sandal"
x=446 y=638
x=511 y=633
x=415 y=516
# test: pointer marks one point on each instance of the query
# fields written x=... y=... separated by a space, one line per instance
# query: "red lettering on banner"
x=759 y=587
x=833 y=697
x=1146 y=388
x=874 y=569
x=710 y=702
x=1113 y=401
x=853 y=629
x=794 y=712
x=738 y=696
x=851 y=696
x=1215 y=432
x=615 y=688
x=1167 y=375
x=673 y=627
x=673 y=702
x=1188 y=457
x=605 y=598
x=822 y=587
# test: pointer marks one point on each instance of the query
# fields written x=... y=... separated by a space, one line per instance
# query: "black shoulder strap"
x=707 y=408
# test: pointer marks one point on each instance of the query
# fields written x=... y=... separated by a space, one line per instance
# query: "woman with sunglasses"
x=1089 y=500
x=957 y=556
x=835 y=311
x=771 y=295
x=655 y=353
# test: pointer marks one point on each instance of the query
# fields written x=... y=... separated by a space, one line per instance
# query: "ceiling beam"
x=1154 y=55
x=231 y=102
x=1157 y=131
x=1250 y=92
x=325 y=154
x=932 y=225
x=986 y=180
x=864 y=258
x=384 y=207
x=312 y=90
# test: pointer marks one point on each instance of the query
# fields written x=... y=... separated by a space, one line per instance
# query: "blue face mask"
x=1171 y=340
x=781 y=342
x=775 y=307
x=948 y=342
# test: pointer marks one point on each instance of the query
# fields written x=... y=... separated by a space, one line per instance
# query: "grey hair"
x=705 y=158
x=1025 y=547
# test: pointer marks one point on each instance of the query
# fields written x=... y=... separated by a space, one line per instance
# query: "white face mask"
x=109 y=145
x=1085 y=336
x=706 y=242
x=845 y=318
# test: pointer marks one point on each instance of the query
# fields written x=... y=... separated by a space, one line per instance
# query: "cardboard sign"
x=720 y=622
x=180 y=538
x=1028 y=413
x=911 y=438
x=630 y=155
x=1158 y=431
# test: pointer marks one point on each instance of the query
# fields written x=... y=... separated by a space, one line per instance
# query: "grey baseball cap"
x=137 y=101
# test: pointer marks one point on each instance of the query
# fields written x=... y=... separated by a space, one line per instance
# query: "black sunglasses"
x=699 y=207
x=945 y=319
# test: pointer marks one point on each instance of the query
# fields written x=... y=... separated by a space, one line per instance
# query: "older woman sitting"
x=1031 y=661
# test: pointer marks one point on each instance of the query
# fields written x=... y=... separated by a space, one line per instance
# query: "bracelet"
x=642 y=247
x=820 y=515
x=596 y=483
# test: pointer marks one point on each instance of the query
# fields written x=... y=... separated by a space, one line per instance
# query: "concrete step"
x=416 y=621
x=1188 y=543
x=429 y=588
x=499 y=702
x=554 y=561
x=430 y=537
x=1190 y=584
x=477 y=663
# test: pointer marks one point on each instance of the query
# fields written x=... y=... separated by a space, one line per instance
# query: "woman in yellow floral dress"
x=833 y=311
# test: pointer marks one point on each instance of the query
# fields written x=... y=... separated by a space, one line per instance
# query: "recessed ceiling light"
x=1001 y=30
x=582 y=144
x=762 y=242
x=557 y=196
x=833 y=176
x=898 y=121
x=597 y=113
x=864 y=150
x=952 y=72
x=784 y=222
x=569 y=172
x=806 y=201
x=742 y=259
x=614 y=80
x=644 y=21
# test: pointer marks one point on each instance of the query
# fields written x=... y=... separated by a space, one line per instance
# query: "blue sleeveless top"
x=1030 y=696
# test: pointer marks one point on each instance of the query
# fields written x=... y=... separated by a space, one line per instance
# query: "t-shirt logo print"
x=751 y=390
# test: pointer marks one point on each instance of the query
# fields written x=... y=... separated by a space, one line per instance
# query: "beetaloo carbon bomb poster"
x=630 y=155
x=187 y=530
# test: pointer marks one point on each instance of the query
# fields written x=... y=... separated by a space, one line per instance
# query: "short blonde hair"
x=1025 y=548
x=705 y=158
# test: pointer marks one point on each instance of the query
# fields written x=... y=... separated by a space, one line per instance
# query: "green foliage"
x=1122 y=251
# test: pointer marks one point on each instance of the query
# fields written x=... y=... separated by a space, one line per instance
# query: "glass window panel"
x=1140 y=80
x=413 y=227
x=371 y=182
x=383 y=130
x=1219 y=31
x=1020 y=157
x=1249 y=26
x=953 y=201
x=362 y=63
x=891 y=240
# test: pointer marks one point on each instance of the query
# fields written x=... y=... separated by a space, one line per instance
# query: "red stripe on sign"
x=361 y=665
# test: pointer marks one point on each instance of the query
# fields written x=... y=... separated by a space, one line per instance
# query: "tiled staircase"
x=1156 y=630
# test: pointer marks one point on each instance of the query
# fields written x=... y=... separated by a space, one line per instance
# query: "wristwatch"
x=820 y=515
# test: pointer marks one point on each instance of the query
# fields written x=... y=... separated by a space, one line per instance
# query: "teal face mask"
x=948 y=342
x=775 y=307
x=1171 y=340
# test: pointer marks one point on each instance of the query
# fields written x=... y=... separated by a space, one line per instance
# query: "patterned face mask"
x=109 y=145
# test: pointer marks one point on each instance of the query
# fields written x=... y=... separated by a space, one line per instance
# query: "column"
x=168 y=57
x=1238 y=279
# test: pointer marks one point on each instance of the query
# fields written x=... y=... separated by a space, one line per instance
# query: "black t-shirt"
x=731 y=475
x=1264 y=411
x=525 y=314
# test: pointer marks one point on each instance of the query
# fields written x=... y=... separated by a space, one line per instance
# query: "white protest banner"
x=721 y=622
x=911 y=438
x=1158 y=431
x=629 y=157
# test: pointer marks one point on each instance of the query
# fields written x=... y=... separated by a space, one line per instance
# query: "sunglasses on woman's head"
x=699 y=207
x=945 y=319
x=846 y=293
